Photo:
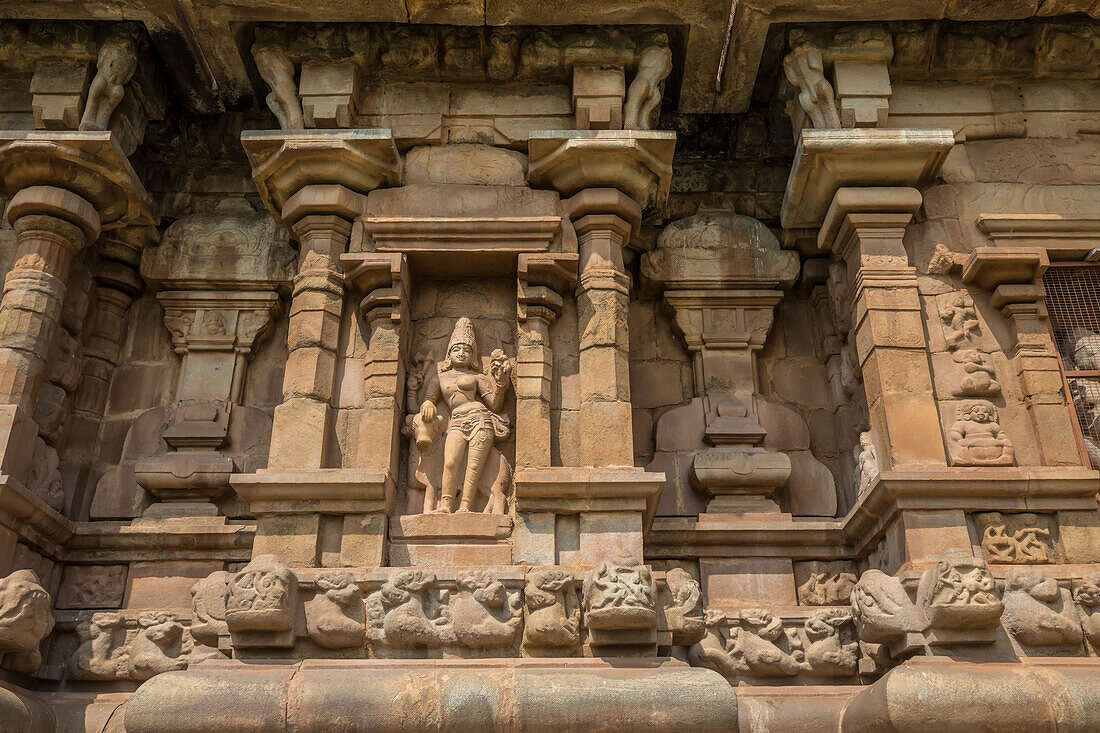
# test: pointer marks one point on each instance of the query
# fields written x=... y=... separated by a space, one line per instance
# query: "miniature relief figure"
x=552 y=613
x=960 y=318
x=718 y=649
x=277 y=70
x=976 y=438
x=262 y=596
x=1086 y=350
x=1030 y=544
x=827 y=589
x=114 y=69
x=1086 y=401
x=867 y=460
x=335 y=617
x=461 y=406
x=832 y=649
x=620 y=594
x=484 y=615
x=1036 y=612
x=643 y=97
x=1087 y=594
x=959 y=592
x=761 y=632
x=685 y=613
x=401 y=614
x=208 y=599
x=980 y=379
x=746 y=645
x=102 y=653
x=157 y=646
x=805 y=70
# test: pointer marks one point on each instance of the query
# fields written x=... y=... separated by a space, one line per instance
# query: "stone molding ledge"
x=453 y=695
x=922 y=489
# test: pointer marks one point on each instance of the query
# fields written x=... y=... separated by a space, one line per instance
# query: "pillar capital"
x=89 y=165
x=286 y=162
x=638 y=163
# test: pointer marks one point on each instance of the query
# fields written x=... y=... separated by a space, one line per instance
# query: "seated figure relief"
x=458 y=426
x=976 y=438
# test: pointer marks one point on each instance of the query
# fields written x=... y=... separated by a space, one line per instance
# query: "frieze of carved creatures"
x=756 y=643
x=134 y=645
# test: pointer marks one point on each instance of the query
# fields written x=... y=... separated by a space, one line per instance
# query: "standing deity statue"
x=463 y=404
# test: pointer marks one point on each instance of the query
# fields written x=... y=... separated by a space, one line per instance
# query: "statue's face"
x=981 y=413
x=461 y=355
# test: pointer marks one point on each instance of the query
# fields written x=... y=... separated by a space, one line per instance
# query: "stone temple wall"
x=532 y=366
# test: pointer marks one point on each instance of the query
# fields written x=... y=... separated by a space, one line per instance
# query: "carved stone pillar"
x=613 y=178
x=320 y=218
x=64 y=188
x=604 y=220
x=314 y=183
x=384 y=281
x=542 y=279
x=864 y=227
x=117 y=283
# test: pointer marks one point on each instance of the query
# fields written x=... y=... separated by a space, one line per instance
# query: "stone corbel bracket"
x=283 y=163
x=1014 y=275
x=542 y=280
x=636 y=162
x=827 y=160
x=383 y=279
x=90 y=164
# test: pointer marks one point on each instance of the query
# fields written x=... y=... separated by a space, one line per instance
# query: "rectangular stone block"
x=291 y=537
x=1080 y=535
x=299 y=433
x=604 y=535
x=533 y=538
x=165 y=584
x=928 y=535
x=742 y=581
x=363 y=542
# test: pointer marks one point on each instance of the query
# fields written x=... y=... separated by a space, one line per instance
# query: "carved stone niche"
x=721 y=274
x=220 y=274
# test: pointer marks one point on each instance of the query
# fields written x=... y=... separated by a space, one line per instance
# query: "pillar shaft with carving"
x=604 y=220
x=878 y=286
x=320 y=217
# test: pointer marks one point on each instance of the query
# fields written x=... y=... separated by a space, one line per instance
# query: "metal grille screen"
x=1073 y=301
